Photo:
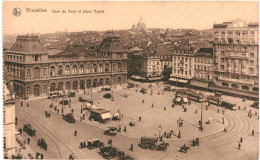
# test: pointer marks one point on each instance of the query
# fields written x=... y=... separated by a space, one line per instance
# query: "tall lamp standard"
x=112 y=93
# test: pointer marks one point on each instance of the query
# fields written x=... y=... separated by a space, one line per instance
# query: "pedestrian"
x=81 y=145
x=183 y=106
x=241 y=139
x=70 y=101
x=244 y=108
x=27 y=104
x=75 y=133
x=21 y=103
x=62 y=110
x=20 y=130
x=172 y=105
x=143 y=100
x=132 y=148
x=58 y=111
x=80 y=119
x=179 y=134
x=255 y=113
x=165 y=134
x=239 y=145
x=81 y=110
x=206 y=107
x=218 y=110
x=69 y=105
x=125 y=129
x=152 y=105
x=126 y=96
x=72 y=111
x=28 y=140
x=36 y=155
x=117 y=111
x=165 y=108
x=140 y=118
x=196 y=111
x=84 y=144
x=41 y=155
x=83 y=116
x=253 y=132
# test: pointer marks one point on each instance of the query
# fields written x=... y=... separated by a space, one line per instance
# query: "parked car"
x=111 y=131
x=71 y=94
x=143 y=90
x=29 y=130
x=94 y=143
x=69 y=118
x=81 y=99
x=105 y=89
x=107 y=95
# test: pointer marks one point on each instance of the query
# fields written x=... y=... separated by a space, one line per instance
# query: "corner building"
x=236 y=58
x=34 y=73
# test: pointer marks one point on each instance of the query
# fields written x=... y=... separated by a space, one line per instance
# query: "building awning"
x=178 y=99
x=200 y=84
x=106 y=116
x=185 y=100
x=173 y=79
x=154 y=78
x=182 y=80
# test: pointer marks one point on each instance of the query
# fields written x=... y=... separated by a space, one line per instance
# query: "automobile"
x=143 y=90
x=71 y=94
x=116 y=116
x=106 y=89
x=42 y=143
x=255 y=105
x=29 y=130
x=130 y=85
x=152 y=143
x=69 y=118
x=81 y=99
x=167 y=88
x=111 y=131
x=107 y=95
x=94 y=143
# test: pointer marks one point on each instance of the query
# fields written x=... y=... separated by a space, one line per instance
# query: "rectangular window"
x=44 y=71
x=252 y=33
x=28 y=90
x=252 y=54
x=222 y=67
x=251 y=62
x=222 y=59
x=28 y=73
x=223 y=34
x=251 y=70
x=60 y=72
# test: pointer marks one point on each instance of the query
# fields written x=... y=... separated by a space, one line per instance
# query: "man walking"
x=132 y=148
x=239 y=145
x=75 y=133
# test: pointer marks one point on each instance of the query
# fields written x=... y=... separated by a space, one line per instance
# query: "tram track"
x=53 y=134
x=21 y=118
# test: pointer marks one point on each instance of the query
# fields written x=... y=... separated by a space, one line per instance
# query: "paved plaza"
x=155 y=110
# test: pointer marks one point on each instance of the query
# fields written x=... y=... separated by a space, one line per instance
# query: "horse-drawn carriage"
x=195 y=142
x=184 y=148
x=111 y=131
x=152 y=143
x=94 y=143
x=69 y=118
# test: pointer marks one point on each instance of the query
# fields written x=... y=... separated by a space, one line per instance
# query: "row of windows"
x=74 y=70
x=201 y=67
x=14 y=58
x=181 y=58
x=251 y=70
x=235 y=33
x=231 y=41
x=186 y=73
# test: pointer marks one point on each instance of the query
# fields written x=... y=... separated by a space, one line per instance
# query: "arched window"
x=107 y=81
x=245 y=87
x=60 y=68
x=52 y=71
x=234 y=86
x=88 y=68
x=37 y=90
x=60 y=86
x=95 y=83
x=36 y=72
x=81 y=69
x=106 y=67
x=45 y=88
x=255 y=89
x=224 y=84
x=94 y=68
x=101 y=68
x=74 y=69
x=67 y=86
x=119 y=67
x=75 y=85
x=53 y=87
x=101 y=82
x=88 y=83
x=67 y=70
x=82 y=85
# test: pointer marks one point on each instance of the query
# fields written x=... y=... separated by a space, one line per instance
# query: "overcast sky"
x=122 y=15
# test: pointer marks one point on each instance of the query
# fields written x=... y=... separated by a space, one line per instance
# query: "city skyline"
x=174 y=15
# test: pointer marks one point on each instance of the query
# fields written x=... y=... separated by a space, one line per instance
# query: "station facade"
x=34 y=73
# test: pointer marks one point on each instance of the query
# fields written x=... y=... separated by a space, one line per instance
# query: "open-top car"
x=94 y=143
x=111 y=131
x=69 y=118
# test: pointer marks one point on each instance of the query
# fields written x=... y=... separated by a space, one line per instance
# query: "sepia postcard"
x=122 y=80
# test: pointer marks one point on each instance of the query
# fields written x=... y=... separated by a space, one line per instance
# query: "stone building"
x=35 y=73
x=236 y=66
x=182 y=67
x=203 y=68
x=9 y=131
